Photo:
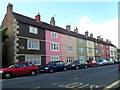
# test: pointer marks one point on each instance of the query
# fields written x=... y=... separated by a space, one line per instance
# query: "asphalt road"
x=94 y=77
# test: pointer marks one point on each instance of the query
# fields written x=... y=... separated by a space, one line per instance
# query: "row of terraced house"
x=38 y=42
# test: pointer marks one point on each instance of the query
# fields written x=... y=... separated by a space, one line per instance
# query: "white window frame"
x=80 y=40
x=102 y=45
x=54 y=46
x=54 y=35
x=33 y=30
x=69 y=38
x=106 y=46
x=33 y=46
x=33 y=59
x=103 y=52
x=70 y=59
x=97 y=51
x=54 y=58
x=81 y=50
x=96 y=44
x=70 y=48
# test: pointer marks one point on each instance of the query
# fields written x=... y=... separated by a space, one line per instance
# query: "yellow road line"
x=111 y=85
x=84 y=86
x=74 y=85
x=71 y=84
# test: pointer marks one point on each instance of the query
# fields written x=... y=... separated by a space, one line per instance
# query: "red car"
x=18 y=69
x=92 y=63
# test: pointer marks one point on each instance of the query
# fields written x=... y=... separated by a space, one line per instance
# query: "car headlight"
x=46 y=67
x=1 y=71
x=73 y=65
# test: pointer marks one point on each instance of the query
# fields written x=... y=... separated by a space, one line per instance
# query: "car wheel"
x=7 y=75
x=85 y=66
x=51 y=70
x=77 y=67
x=65 y=69
x=33 y=72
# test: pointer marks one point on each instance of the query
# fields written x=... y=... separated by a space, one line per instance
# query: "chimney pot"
x=86 y=33
x=68 y=27
x=52 y=22
x=101 y=39
x=98 y=37
x=9 y=8
x=91 y=35
x=107 y=40
x=76 y=30
x=37 y=17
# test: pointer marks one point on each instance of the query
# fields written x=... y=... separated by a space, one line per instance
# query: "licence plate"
x=41 y=70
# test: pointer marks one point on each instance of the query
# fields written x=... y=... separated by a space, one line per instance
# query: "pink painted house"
x=53 y=46
x=69 y=51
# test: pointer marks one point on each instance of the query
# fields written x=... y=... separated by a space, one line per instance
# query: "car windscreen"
x=11 y=66
x=50 y=63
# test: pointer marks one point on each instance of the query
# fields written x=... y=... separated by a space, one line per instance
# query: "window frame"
x=69 y=37
x=54 y=35
x=54 y=46
x=34 y=30
x=32 y=46
x=32 y=60
x=57 y=58
x=69 y=48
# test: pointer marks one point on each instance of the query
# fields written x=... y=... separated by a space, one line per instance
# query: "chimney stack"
x=98 y=37
x=52 y=22
x=107 y=40
x=101 y=39
x=37 y=17
x=68 y=27
x=91 y=35
x=86 y=33
x=76 y=30
x=9 y=8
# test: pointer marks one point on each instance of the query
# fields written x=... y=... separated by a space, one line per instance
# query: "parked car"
x=102 y=62
x=116 y=61
x=18 y=69
x=110 y=61
x=77 y=64
x=92 y=63
x=54 y=66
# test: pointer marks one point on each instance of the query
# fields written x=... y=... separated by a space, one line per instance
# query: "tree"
x=4 y=35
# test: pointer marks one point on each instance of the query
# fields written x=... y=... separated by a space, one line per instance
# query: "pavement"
x=102 y=77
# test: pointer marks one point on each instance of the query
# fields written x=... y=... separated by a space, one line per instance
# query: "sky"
x=99 y=18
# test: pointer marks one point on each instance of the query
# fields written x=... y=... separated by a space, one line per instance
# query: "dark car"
x=18 y=69
x=92 y=63
x=53 y=66
x=77 y=64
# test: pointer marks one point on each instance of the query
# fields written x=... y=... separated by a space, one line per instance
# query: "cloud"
x=84 y=20
x=107 y=30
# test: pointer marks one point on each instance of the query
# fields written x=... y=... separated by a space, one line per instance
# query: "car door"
x=61 y=66
x=55 y=66
x=28 y=67
x=20 y=68
x=81 y=64
x=78 y=63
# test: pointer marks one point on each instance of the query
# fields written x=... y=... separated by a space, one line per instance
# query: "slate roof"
x=30 y=21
